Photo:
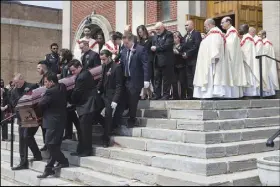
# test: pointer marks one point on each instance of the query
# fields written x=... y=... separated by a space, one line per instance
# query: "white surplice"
x=93 y=45
x=233 y=55
x=272 y=66
x=211 y=79
x=251 y=65
x=111 y=47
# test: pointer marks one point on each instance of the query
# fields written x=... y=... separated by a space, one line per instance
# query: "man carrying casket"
x=53 y=106
x=26 y=135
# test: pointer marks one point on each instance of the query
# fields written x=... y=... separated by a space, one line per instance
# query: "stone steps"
x=143 y=174
x=29 y=177
x=211 y=114
x=209 y=104
x=8 y=182
x=173 y=162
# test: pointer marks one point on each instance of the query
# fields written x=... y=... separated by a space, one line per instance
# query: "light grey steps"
x=187 y=149
x=173 y=162
x=82 y=176
x=5 y=181
x=222 y=114
x=29 y=177
x=209 y=104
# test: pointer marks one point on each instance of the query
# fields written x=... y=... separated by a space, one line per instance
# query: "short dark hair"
x=76 y=63
x=54 y=44
x=42 y=62
x=51 y=76
x=87 y=27
x=229 y=20
x=117 y=35
x=66 y=55
x=106 y=52
x=144 y=29
x=129 y=36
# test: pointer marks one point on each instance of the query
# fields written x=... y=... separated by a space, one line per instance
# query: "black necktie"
x=127 y=64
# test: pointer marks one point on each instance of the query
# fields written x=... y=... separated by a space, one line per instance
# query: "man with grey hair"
x=26 y=135
x=211 y=79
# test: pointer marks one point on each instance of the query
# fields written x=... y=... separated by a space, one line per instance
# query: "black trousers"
x=4 y=131
x=26 y=139
x=55 y=155
x=85 y=142
x=180 y=75
x=72 y=118
x=43 y=133
x=163 y=74
x=190 y=70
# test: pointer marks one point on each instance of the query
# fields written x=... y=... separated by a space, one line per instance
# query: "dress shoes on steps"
x=20 y=167
x=47 y=172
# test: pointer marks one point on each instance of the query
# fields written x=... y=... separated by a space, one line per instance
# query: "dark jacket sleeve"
x=78 y=90
x=194 y=49
x=144 y=60
x=97 y=61
x=168 y=44
x=100 y=82
x=119 y=84
x=45 y=101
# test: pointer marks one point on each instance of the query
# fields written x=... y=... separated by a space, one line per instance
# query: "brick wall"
x=81 y=9
x=22 y=47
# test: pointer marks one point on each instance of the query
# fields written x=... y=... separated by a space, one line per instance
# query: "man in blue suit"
x=134 y=61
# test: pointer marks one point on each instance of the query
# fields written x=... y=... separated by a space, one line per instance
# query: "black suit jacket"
x=53 y=62
x=164 y=49
x=90 y=59
x=53 y=106
x=191 y=46
x=139 y=70
x=84 y=93
x=111 y=83
x=179 y=62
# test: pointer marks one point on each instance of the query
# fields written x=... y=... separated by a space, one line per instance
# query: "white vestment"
x=272 y=66
x=251 y=65
x=211 y=77
x=111 y=47
x=233 y=55
x=93 y=45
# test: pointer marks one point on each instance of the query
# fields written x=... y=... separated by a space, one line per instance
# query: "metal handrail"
x=261 y=78
x=12 y=137
x=269 y=142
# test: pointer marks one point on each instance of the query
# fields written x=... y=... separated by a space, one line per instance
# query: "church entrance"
x=95 y=30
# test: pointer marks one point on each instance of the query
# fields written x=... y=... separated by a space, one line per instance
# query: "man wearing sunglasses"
x=52 y=59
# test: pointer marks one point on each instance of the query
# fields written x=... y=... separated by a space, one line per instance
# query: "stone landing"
x=174 y=143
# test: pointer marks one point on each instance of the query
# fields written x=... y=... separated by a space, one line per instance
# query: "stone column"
x=183 y=8
x=66 y=24
x=271 y=24
x=138 y=14
x=121 y=15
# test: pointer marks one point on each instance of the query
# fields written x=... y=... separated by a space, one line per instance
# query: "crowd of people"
x=157 y=65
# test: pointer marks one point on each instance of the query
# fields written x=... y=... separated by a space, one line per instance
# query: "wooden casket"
x=31 y=115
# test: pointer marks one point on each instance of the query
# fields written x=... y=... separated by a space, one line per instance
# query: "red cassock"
x=30 y=114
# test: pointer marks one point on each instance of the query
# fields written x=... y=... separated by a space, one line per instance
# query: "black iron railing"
x=269 y=142
x=261 y=78
x=10 y=118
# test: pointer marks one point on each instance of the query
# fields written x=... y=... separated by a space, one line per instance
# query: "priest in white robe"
x=93 y=44
x=211 y=79
x=272 y=69
x=233 y=55
x=113 y=45
x=251 y=63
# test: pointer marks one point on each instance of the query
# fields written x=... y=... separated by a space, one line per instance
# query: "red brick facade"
x=81 y=9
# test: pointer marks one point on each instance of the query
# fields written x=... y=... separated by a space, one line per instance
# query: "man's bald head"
x=209 y=24
x=262 y=34
x=18 y=80
x=159 y=27
x=252 y=31
x=226 y=22
x=189 y=25
x=243 y=29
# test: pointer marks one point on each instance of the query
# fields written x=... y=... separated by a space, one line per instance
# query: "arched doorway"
x=95 y=30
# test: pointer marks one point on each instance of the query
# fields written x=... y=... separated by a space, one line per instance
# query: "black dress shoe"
x=155 y=97
x=44 y=148
x=67 y=138
x=35 y=159
x=164 y=98
x=59 y=166
x=131 y=123
x=85 y=154
x=106 y=143
x=20 y=167
x=45 y=174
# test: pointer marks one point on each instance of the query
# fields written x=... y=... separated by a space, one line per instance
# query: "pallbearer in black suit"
x=110 y=87
x=179 y=68
x=164 y=61
x=191 y=43
x=84 y=97
x=53 y=107
x=134 y=60
x=90 y=59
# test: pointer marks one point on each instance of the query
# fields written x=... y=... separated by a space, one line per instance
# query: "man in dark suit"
x=26 y=135
x=52 y=59
x=134 y=60
x=90 y=59
x=191 y=43
x=84 y=96
x=53 y=107
x=162 y=46
x=110 y=87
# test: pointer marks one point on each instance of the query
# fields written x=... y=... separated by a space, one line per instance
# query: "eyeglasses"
x=186 y=25
x=55 y=48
